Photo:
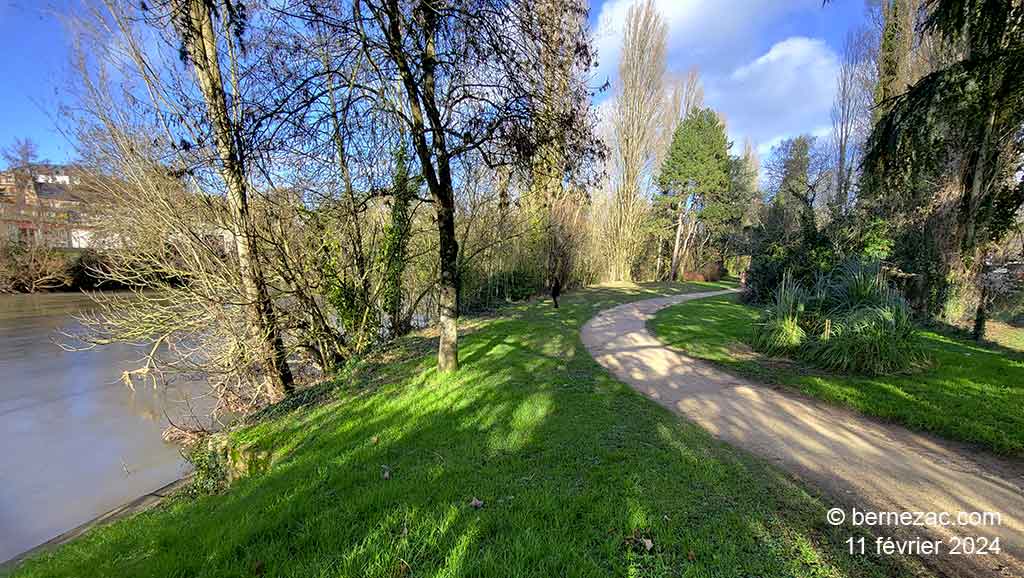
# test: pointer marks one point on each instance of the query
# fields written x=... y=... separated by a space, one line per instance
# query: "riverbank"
x=136 y=506
x=531 y=461
x=77 y=442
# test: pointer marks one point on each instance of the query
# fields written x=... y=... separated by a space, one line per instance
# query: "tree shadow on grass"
x=576 y=472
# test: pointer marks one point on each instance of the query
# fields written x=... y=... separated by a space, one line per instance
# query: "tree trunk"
x=434 y=163
x=981 y=315
x=448 y=298
x=979 y=185
x=202 y=46
x=674 y=268
x=684 y=251
x=661 y=257
x=839 y=202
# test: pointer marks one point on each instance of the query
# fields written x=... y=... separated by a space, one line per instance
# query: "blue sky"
x=34 y=68
x=767 y=65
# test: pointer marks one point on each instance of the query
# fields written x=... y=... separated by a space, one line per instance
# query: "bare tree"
x=29 y=266
x=638 y=113
x=186 y=158
x=209 y=54
x=21 y=154
x=462 y=81
x=847 y=111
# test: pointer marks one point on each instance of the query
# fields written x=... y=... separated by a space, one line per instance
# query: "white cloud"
x=766 y=95
x=784 y=92
x=764 y=148
x=700 y=32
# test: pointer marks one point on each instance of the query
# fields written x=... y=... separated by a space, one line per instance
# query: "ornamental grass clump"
x=780 y=332
x=851 y=321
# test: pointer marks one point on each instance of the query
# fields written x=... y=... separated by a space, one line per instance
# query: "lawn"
x=969 y=393
x=578 y=475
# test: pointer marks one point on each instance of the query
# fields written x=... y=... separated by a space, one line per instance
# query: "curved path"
x=859 y=462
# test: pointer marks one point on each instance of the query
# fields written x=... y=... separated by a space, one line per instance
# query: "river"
x=75 y=442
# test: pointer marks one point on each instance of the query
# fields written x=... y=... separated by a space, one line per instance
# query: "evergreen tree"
x=954 y=140
x=791 y=191
x=695 y=179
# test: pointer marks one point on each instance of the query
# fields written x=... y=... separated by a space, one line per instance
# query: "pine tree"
x=958 y=128
x=695 y=177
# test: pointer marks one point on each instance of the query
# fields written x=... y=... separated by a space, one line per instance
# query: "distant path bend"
x=856 y=460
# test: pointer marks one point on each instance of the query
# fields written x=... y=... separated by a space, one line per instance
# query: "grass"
x=1005 y=334
x=576 y=472
x=969 y=393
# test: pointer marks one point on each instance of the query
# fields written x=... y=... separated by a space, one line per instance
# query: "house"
x=45 y=203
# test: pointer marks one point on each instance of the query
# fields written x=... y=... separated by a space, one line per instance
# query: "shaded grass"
x=969 y=393
x=575 y=469
x=1005 y=334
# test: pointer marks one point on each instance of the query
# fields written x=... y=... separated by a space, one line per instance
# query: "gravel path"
x=857 y=461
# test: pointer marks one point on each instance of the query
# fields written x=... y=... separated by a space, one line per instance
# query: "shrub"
x=779 y=335
x=31 y=266
x=209 y=473
x=851 y=321
x=780 y=331
x=872 y=340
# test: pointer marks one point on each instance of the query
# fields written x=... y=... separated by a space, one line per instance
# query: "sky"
x=34 y=70
x=767 y=65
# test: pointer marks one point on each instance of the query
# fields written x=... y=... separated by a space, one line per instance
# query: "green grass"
x=575 y=471
x=1005 y=334
x=969 y=393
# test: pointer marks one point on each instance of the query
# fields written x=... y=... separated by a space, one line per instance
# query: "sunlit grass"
x=575 y=471
x=970 y=393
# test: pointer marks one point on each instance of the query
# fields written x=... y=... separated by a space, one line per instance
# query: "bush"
x=780 y=332
x=483 y=290
x=86 y=271
x=874 y=340
x=209 y=473
x=852 y=321
x=28 y=267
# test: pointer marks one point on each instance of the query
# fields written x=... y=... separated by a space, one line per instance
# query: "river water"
x=75 y=442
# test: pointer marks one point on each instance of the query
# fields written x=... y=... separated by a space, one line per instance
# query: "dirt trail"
x=857 y=461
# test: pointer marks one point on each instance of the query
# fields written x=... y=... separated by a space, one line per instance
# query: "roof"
x=56 y=192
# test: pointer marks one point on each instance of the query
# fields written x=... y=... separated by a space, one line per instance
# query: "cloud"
x=764 y=148
x=784 y=92
x=765 y=94
x=700 y=32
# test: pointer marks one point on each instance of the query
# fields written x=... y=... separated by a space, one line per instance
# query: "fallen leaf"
x=691 y=556
x=375 y=440
x=638 y=542
x=475 y=503
x=257 y=568
x=385 y=472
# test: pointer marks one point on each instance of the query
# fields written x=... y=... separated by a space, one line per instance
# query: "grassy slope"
x=574 y=468
x=1005 y=334
x=970 y=393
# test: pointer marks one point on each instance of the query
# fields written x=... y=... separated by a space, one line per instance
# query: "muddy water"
x=75 y=442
